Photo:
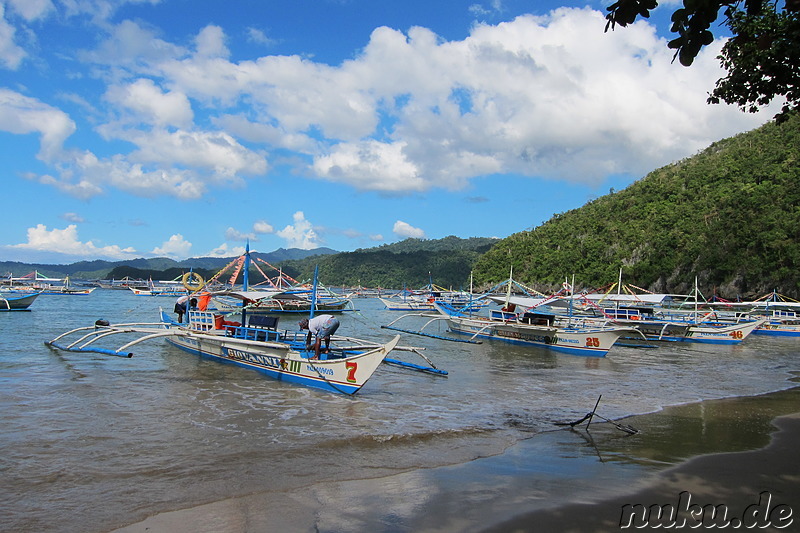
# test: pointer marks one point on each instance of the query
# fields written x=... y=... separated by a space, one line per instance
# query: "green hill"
x=411 y=262
x=729 y=215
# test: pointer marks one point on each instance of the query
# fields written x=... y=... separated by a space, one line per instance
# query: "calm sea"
x=91 y=442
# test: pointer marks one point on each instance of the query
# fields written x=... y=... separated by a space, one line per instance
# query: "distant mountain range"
x=98 y=269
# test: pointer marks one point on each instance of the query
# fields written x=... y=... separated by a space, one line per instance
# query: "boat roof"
x=247 y=295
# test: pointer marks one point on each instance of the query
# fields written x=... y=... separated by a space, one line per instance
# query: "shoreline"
x=752 y=485
x=721 y=452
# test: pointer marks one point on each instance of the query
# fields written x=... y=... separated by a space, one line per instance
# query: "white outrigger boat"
x=538 y=330
x=532 y=329
x=655 y=317
x=677 y=327
x=253 y=343
x=279 y=356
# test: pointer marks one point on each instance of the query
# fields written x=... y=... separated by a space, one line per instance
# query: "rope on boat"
x=396 y=362
x=452 y=339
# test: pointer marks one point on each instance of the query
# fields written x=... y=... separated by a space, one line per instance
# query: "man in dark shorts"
x=323 y=326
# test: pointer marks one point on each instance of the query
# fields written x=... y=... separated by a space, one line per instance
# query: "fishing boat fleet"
x=592 y=323
x=238 y=324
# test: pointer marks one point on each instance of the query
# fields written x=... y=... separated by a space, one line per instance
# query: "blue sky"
x=185 y=128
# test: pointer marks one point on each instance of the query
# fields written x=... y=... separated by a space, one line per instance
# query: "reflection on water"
x=90 y=442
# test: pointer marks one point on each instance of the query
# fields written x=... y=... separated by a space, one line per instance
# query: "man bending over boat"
x=323 y=326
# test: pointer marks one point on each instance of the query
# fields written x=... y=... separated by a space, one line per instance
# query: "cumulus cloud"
x=21 y=114
x=405 y=230
x=547 y=96
x=232 y=234
x=223 y=250
x=150 y=104
x=210 y=42
x=359 y=164
x=301 y=234
x=176 y=247
x=133 y=47
x=65 y=241
x=542 y=96
x=85 y=176
x=260 y=226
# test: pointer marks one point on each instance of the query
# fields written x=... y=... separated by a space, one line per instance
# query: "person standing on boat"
x=181 y=306
x=322 y=326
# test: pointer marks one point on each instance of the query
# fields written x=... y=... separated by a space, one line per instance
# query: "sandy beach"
x=735 y=480
x=586 y=491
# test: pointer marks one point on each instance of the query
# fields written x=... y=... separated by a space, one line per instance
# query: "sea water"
x=91 y=442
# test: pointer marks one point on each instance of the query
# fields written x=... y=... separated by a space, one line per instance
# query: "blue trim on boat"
x=282 y=375
x=585 y=352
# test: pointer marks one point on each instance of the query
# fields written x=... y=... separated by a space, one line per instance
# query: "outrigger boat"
x=253 y=343
x=655 y=317
x=670 y=327
x=17 y=303
x=343 y=370
x=537 y=329
x=530 y=329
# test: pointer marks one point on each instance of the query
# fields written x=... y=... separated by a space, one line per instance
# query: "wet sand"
x=735 y=480
x=741 y=453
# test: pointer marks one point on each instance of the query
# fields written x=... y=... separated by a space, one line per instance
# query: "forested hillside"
x=729 y=215
x=412 y=262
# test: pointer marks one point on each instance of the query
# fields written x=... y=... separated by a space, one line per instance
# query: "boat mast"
x=246 y=279
x=508 y=287
x=314 y=293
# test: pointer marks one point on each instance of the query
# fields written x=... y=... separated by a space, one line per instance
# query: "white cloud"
x=301 y=234
x=11 y=55
x=65 y=241
x=215 y=152
x=176 y=247
x=232 y=234
x=549 y=96
x=72 y=217
x=86 y=176
x=255 y=35
x=30 y=9
x=133 y=47
x=21 y=114
x=210 y=42
x=150 y=104
x=223 y=250
x=260 y=226
x=359 y=164
x=479 y=10
x=404 y=229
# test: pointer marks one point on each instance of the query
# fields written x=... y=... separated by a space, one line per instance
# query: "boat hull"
x=282 y=362
x=17 y=303
x=685 y=331
x=587 y=342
